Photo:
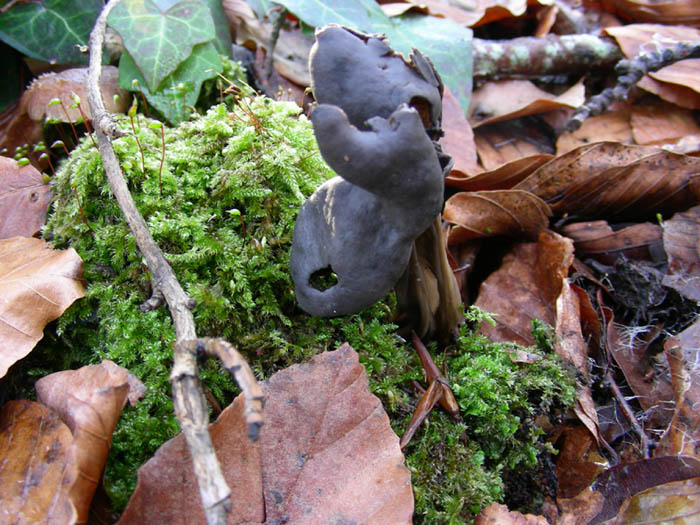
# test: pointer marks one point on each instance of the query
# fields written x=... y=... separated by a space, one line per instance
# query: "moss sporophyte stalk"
x=223 y=212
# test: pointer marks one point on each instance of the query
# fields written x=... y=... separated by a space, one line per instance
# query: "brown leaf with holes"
x=35 y=100
x=598 y=240
x=89 y=401
x=678 y=83
x=36 y=456
x=616 y=181
x=508 y=99
x=37 y=284
x=502 y=178
x=326 y=454
x=24 y=199
x=479 y=214
x=682 y=244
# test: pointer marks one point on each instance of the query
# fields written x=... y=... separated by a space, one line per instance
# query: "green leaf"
x=223 y=41
x=446 y=43
x=173 y=102
x=51 y=29
x=160 y=35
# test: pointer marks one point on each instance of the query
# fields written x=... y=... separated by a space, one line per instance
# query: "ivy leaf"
x=223 y=35
x=159 y=35
x=446 y=43
x=178 y=91
x=51 y=29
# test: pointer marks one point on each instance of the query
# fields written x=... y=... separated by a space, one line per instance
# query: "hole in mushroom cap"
x=323 y=279
x=423 y=108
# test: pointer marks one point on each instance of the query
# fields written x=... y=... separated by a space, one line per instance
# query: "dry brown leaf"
x=677 y=503
x=504 y=142
x=458 y=141
x=682 y=244
x=578 y=461
x=326 y=454
x=497 y=514
x=442 y=8
x=627 y=479
x=508 y=99
x=487 y=11
x=36 y=456
x=596 y=239
x=24 y=199
x=683 y=12
x=612 y=126
x=35 y=100
x=661 y=123
x=616 y=181
x=479 y=214
x=37 y=284
x=678 y=83
x=580 y=509
x=502 y=178
x=89 y=400
x=16 y=130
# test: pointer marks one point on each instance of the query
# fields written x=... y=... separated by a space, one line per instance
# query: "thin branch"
x=188 y=397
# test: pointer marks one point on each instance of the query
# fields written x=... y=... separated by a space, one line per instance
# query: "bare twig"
x=629 y=73
x=188 y=398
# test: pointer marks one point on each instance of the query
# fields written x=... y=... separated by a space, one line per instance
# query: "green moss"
x=232 y=183
x=460 y=468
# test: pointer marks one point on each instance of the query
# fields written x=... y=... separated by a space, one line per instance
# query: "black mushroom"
x=376 y=123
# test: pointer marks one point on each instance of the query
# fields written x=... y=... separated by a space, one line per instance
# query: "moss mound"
x=222 y=206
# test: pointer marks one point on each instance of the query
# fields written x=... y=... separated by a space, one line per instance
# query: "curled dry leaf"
x=682 y=244
x=500 y=212
x=502 y=178
x=326 y=454
x=598 y=240
x=24 y=199
x=89 y=400
x=35 y=458
x=35 y=100
x=508 y=99
x=37 y=284
x=616 y=181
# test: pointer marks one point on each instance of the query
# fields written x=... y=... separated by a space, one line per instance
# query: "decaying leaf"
x=37 y=283
x=63 y=85
x=89 y=400
x=24 y=199
x=611 y=126
x=622 y=481
x=682 y=244
x=326 y=454
x=502 y=178
x=508 y=99
x=500 y=212
x=36 y=456
x=598 y=240
x=613 y=180
x=503 y=142
x=685 y=12
x=661 y=123
x=458 y=141
x=676 y=502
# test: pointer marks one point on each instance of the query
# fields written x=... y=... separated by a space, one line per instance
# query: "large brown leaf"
x=89 y=401
x=500 y=212
x=502 y=178
x=35 y=458
x=326 y=455
x=613 y=180
x=24 y=199
x=682 y=244
x=686 y=12
x=37 y=284
x=458 y=141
